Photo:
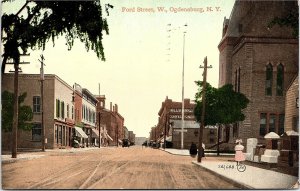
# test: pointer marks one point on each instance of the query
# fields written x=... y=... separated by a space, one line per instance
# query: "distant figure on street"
x=144 y=144
x=193 y=149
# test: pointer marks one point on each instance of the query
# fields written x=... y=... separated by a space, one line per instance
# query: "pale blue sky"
x=137 y=74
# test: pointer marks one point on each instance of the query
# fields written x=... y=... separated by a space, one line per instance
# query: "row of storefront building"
x=260 y=61
x=71 y=115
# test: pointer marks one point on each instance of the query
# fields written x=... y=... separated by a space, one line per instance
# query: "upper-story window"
x=57 y=108
x=68 y=111
x=82 y=112
x=72 y=112
x=280 y=80
x=62 y=109
x=36 y=104
x=237 y=80
x=269 y=79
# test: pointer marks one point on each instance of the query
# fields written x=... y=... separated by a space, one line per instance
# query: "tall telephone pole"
x=42 y=102
x=200 y=149
x=16 y=104
x=99 y=120
x=165 y=130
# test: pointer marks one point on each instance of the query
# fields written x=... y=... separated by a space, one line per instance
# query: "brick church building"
x=261 y=62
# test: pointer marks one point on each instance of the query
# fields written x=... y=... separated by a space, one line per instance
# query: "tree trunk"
x=218 y=147
x=16 y=112
x=3 y=64
x=227 y=130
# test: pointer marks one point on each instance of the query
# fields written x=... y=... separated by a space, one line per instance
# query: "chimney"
x=186 y=101
x=110 y=106
x=116 y=108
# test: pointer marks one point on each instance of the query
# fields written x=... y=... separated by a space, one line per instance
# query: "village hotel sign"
x=175 y=113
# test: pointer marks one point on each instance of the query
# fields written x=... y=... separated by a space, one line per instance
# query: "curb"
x=7 y=161
x=174 y=153
x=234 y=182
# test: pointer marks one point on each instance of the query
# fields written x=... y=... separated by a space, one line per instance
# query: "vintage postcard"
x=149 y=94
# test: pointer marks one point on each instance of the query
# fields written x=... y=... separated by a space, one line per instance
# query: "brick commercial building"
x=85 y=116
x=260 y=62
x=58 y=111
x=112 y=120
x=169 y=124
x=131 y=137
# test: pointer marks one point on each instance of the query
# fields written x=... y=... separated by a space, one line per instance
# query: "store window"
x=36 y=132
x=270 y=122
x=263 y=124
x=281 y=124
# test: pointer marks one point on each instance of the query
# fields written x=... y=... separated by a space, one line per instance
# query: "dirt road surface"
x=110 y=168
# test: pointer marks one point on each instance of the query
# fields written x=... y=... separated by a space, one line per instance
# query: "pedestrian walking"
x=193 y=149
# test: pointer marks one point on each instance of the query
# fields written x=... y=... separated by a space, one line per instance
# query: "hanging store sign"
x=179 y=117
x=178 y=110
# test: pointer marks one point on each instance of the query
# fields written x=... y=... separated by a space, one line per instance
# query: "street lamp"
x=182 y=109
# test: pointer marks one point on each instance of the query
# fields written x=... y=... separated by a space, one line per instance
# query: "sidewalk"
x=186 y=152
x=37 y=153
x=251 y=178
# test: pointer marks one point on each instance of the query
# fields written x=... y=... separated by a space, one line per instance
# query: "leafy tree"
x=25 y=112
x=210 y=100
x=222 y=106
x=47 y=20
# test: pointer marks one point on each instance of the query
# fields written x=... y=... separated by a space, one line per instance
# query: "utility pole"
x=99 y=119
x=117 y=135
x=166 y=124
x=99 y=116
x=42 y=102
x=16 y=112
x=200 y=149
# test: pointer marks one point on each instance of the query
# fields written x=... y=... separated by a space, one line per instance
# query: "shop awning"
x=169 y=138
x=109 y=137
x=80 y=132
x=162 y=140
x=95 y=133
